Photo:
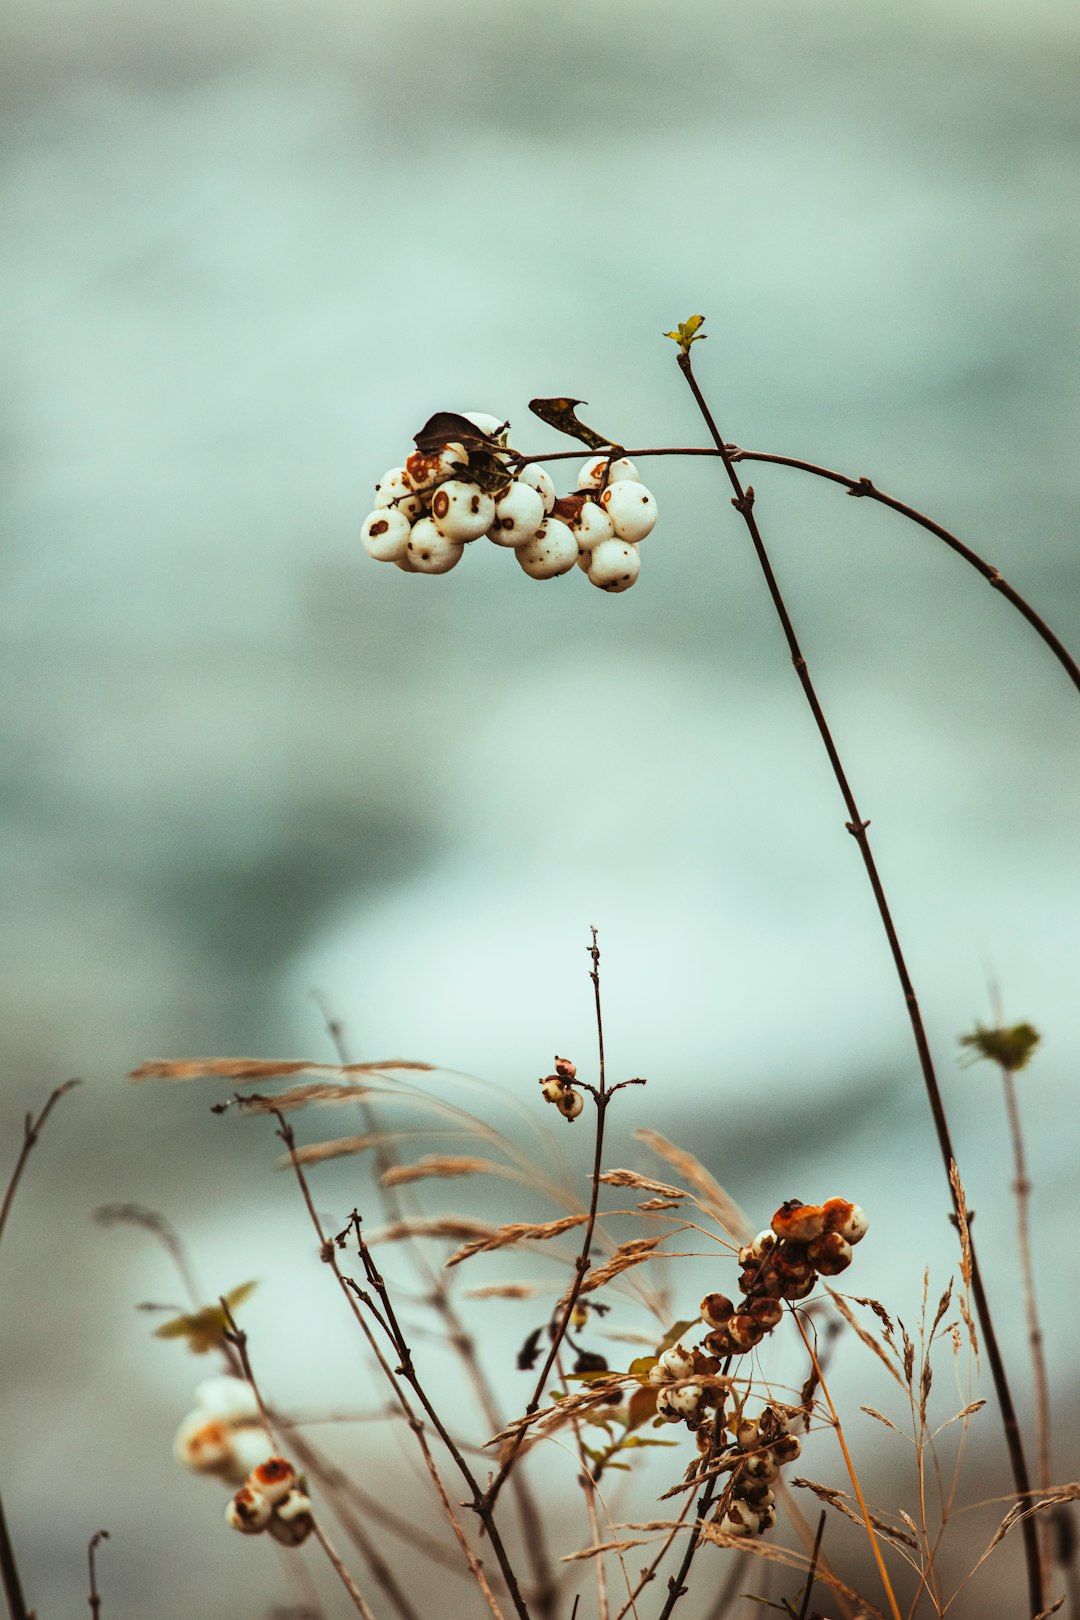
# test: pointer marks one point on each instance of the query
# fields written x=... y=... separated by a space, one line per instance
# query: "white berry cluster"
x=557 y=1088
x=765 y=1445
x=272 y=1499
x=428 y=510
x=224 y=1435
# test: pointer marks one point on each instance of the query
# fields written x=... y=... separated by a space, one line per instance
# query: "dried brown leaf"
x=500 y=1237
x=713 y=1198
x=630 y=1178
x=867 y=1338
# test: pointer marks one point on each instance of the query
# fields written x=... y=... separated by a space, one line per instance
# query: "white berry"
x=462 y=511
x=491 y=425
x=519 y=512
x=385 y=534
x=592 y=474
x=551 y=550
x=540 y=479
x=592 y=525
x=230 y=1398
x=631 y=508
x=423 y=469
x=614 y=565
x=393 y=489
x=248 y=1511
x=431 y=552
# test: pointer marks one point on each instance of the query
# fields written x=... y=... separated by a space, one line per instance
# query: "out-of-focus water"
x=247 y=250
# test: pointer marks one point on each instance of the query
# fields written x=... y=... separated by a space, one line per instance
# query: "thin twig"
x=544 y=1589
x=95 y=1596
x=804 y=1606
x=9 y=1573
x=602 y=1097
x=677 y=1582
x=744 y=503
x=328 y=1253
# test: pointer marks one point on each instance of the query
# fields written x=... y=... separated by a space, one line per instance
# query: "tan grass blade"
x=301 y=1096
x=454 y=1227
x=630 y=1178
x=342 y=1147
x=605 y=1547
x=625 y=1256
x=439 y=1165
x=714 y=1199
x=500 y=1237
x=840 y=1500
x=861 y=1333
x=243 y=1069
x=518 y=1290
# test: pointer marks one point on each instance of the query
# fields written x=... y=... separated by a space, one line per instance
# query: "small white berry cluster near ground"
x=447 y=495
x=224 y=1435
x=557 y=1088
x=272 y=1499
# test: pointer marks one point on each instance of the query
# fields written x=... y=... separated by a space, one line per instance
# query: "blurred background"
x=248 y=249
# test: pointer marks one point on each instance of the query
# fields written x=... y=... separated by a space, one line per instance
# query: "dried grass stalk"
x=861 y=1333
x=840 y=1500
x=518 y=1290
x=454 y=1227
x=340 y=1148
x=242 y=1069
x=445 y=1165
x=781 y=1555
x=500 y=1237
x=630 y=1178
x=625 y=1256
x=713 y=1198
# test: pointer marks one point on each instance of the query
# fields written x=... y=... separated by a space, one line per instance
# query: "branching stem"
x=743 y=502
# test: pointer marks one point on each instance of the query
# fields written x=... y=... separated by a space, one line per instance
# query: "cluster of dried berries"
x=224 y=1435
x=557 y=1088
x=763 y=1447
x=460 y=483
x=272 y=1498
x=782 y=1263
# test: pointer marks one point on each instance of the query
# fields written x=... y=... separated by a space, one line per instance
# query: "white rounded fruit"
x=250 y=1447
x=591 y=475
x=678 y=1362
x=394 y=489
x=631 y=508
x=677 y=1402
x=462 y=511
x=230 y=1398
x=430 y=552
x=385 y=534
x=204 y=1443
x=424 y=469
x=592 y=525
x=614 y=565
x=493 y=425
x=248 y=1511
x=519 y=512
x=274 y=1477
x=550 y=551
x=538 y=478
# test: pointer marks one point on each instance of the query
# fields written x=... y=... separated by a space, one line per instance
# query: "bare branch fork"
x=743 y=501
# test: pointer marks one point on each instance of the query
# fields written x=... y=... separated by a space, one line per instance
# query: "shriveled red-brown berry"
x=846 y=1218
x=830 y=1254
x=718 y=1343
x=716 y=1309
x=565 y=1068
x=760 y=1280
x=800 y=1222
x=744 y=1332
x=796 y=1288
x=766 y=1312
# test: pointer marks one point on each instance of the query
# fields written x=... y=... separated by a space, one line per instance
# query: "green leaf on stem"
x=1010 y=1049
x=688 y=332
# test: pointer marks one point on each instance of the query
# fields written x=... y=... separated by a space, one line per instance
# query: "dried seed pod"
x=800 y=1222
x=830 y=1254
x=631 y=508
x=716 y=1309
x=540 y=480
x=570 y=1103
x=248 y=1511
x=430 y=552
x=549 y=552
x=744 y=1332
x=274 y=1478
x=462 y=511
x=614 y=566
x=385 y=534
x=846 y=1218
x=767 y=1313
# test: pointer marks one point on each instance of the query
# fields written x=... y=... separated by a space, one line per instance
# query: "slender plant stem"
x=9 y=1573
x=677 y=1582
x=544 y=1591
x=351 y=1291
x=866 y=487
x=602 y=1098
x=743 y=502
x=91 y=1557
x=804 y=1606
x=1040 y=1383
x=852 y=1475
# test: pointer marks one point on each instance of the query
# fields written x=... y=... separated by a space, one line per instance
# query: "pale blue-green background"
x=246 y=250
